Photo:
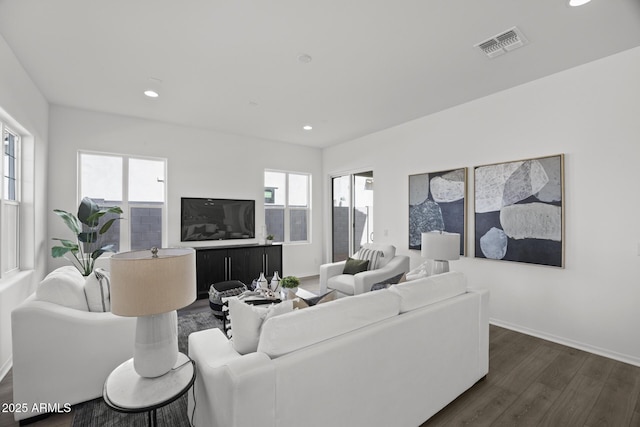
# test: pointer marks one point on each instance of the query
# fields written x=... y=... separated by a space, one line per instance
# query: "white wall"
x=590 y=113
x=201 y=163
x=24 y=108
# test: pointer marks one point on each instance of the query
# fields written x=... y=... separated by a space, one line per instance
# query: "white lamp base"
x=439 y=267
x=156 y=347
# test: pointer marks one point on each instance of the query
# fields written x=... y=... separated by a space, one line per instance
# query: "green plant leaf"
x=66 y=242
x=60 y=251
x=107 y=248
x=107 y=225
x=86 y=211
x=115 y=210
x=95 y=217
x=88 y=237
x=70 y=220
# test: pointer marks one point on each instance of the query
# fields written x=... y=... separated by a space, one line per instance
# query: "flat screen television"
x=217 y=219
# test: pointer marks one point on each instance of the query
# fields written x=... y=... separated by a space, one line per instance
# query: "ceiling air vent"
x=502 y=43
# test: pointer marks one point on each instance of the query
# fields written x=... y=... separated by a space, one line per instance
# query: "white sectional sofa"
x=392 y=357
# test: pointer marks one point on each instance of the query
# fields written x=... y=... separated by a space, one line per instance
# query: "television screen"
x=217 y=219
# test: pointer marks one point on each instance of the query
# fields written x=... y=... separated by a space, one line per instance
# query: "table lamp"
x=152 y=285
x=440 y=247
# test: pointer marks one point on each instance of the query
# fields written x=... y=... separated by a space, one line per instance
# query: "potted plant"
x=87 y=226
x=270 y=238
x=289 y=284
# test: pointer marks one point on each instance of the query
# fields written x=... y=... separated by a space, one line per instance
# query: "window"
x=287 y=206
x=10 y=205
x=137 y=186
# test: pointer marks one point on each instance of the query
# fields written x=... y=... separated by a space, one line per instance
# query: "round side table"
x=126 y=391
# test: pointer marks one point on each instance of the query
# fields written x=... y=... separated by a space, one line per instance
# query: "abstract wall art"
x=437 y=202
x=519 y=211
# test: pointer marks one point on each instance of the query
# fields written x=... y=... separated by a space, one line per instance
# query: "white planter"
x=284 y=292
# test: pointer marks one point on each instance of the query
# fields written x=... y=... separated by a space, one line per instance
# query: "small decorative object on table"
x=289 y=284
x=269 y=239
x=221 y=290
x=261 y=283
x=275 y=282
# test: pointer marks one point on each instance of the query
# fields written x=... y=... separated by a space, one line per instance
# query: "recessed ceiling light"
x=151 y=93
x=307 y=127
x=304 y=58
x=575 y=3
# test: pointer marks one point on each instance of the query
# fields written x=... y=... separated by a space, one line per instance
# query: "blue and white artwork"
x=437 y=202
x=518 y=211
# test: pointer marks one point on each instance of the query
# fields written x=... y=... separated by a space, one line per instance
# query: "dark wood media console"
x=244 y=263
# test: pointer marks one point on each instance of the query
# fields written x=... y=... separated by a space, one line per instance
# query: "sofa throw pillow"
x=246 y=322
x=402 y=277
x=372 y=255
x=299 y=302
x=97 y=290
x=63 y=286
x=355 y=266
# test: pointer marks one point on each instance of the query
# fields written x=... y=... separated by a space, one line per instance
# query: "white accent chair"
x=389 y=265
x=63 y=355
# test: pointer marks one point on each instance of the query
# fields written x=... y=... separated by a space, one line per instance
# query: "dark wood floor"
x=531 y=382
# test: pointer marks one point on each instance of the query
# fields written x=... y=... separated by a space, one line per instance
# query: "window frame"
x=287 y=208
x=6 y=202
x=127 y=205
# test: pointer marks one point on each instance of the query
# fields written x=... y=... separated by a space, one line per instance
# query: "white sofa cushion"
x=371 y=255
x=421 y=292
x=63 y=286
x=301 y=328
x=246 y=322
x=388 y=252
x=97 y=289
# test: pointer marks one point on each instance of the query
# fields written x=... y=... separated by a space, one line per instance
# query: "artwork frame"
x=441 y=208
x=519 y=211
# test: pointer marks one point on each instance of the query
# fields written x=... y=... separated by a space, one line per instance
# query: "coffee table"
x=260 y=300
x=303 y=293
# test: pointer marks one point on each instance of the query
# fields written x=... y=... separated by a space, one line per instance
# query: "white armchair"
x=63 y=355
x=389 y=265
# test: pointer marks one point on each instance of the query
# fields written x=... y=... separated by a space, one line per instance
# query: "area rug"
x=96 y=413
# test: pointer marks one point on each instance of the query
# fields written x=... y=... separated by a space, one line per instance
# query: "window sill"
x=14 y=278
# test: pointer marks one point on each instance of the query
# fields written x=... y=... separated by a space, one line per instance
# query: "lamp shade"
x=143 y=284
x=440 y=246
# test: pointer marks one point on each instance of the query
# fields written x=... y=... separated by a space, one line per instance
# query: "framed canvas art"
x=518 y=211
x=437 y=202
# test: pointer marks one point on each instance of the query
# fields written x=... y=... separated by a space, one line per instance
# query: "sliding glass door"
x=352 y=216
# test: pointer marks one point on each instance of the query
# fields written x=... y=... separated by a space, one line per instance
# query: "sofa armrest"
x=63 y=355
x=484 y=329
x=363 y=281
x=231 y=389
x=327 y=271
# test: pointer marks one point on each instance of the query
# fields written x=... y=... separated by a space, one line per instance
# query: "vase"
x=261 y=283
x=275 y=281
x=285 y=292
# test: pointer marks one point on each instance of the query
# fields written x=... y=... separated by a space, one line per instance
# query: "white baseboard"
x=5 y=368
x=632 y=360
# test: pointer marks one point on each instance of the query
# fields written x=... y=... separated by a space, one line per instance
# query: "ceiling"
x=233 y=65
